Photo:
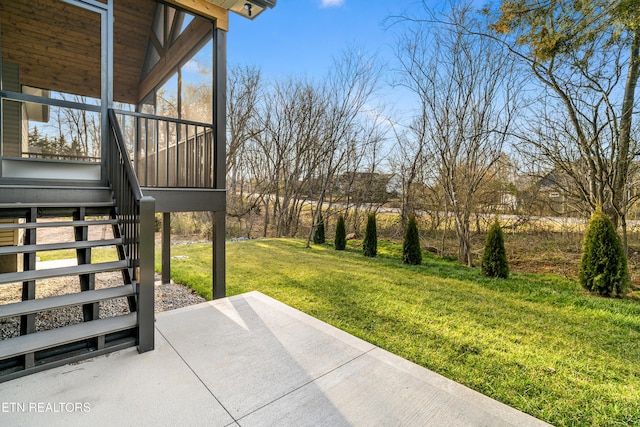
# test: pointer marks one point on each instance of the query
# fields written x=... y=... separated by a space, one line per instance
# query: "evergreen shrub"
x=411 y=252
x=341 y=235
x=603 y=268
x=494 y=259
x=370 y=245
x=318 y=235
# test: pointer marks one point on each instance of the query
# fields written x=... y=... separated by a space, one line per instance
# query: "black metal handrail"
x=168 y=152
x=54 y=102
x=135 y=214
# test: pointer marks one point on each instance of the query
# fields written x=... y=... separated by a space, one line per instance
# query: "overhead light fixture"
x=247 y=8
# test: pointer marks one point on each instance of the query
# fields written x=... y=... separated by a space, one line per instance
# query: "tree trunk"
x=625 y=245
x=464 y=241
x=622 y=165
x=266 y=217
x=446 y=226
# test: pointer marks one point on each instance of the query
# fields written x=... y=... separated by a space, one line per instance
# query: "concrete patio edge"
x=249 y=360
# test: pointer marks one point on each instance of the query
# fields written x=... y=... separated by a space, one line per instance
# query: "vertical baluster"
x=207 y=165
x=211 y=171
x=203 y=159
x=157 y=144
x=166 y=141
x=135 y=143
x=194 y=167
x=196 y=160
x=187 y=150
x=177 y=155
x=134 y=155
x=146 y=151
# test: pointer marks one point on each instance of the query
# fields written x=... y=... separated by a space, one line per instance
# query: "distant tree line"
x=298 y=143
x=525 y=108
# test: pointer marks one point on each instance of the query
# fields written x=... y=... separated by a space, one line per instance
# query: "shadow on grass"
x=532 y=341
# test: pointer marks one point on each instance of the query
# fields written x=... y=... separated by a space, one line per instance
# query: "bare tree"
x=243 y=91
x=413 y=165
x=348 y=89
x=586 y=57
x=291 y=140
x=291 y=143
x=243 y=97
x=465 y=86
x=362 y=181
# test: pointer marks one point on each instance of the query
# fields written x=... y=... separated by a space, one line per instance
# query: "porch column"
x=166 y=247
x=219 y=122
x=219 y=258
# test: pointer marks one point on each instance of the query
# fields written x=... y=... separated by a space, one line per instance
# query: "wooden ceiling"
x=57 y=45
x=131 y=27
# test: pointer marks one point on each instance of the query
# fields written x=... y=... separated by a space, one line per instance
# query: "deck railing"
x=70 y=119
x=66 y=157
x=135 y=215
x=169 y=153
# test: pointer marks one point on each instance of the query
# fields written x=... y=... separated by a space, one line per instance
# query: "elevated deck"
x=249 y=360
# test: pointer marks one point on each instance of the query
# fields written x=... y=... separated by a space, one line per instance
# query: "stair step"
x=58 y=224
x=90 y=187
x=86 y=297
x=20 y=205
x=83 y=244
x=50 y=183
x=55 y=337
x=55 y=209
x=25 y=276
x=48 y=192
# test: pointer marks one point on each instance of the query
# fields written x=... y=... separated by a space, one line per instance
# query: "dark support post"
x=219 y=282
x=87 y=281
x=146 y=275
x=220 y=109
x=166 y=247
x=28 y=321
x=219 y=158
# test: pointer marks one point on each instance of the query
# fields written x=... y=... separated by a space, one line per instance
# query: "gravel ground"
x=167 y=297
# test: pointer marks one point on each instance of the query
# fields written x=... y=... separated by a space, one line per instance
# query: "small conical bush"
x=318 y=235
x=494 y=259
x=603 y=268
x=341 y=235
x=370 y=245
x=411 y=252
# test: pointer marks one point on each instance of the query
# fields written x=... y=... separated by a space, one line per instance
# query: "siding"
x=9 y=263
x=11 y=112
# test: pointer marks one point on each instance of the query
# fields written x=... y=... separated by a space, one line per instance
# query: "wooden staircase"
x=30 y=344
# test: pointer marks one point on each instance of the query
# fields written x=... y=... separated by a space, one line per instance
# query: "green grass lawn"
x=534 y=342
x=97 y=255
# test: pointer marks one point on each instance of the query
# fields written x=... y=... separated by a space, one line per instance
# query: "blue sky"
x=300 y=37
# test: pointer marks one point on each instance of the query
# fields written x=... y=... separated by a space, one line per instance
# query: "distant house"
x=365 y=187
x=553 y=190
x=121 y=138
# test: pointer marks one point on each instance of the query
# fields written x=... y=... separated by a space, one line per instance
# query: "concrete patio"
x=248 y=360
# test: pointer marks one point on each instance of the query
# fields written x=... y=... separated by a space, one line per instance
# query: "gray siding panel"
x=11 y=112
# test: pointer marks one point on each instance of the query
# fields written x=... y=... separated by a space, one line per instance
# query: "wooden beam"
x=189 y=39
x=207 y=10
